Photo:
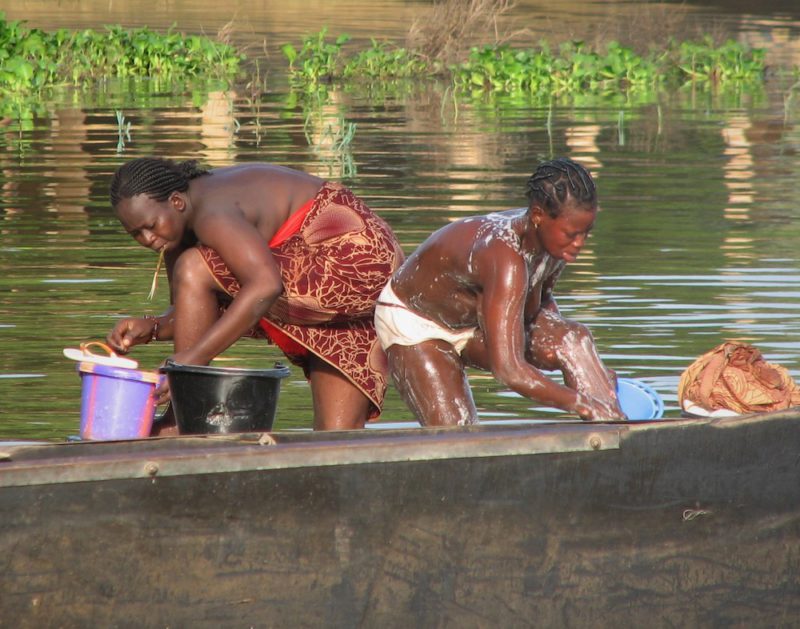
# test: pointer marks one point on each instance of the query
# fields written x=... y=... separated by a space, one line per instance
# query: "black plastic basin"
x=212 y=400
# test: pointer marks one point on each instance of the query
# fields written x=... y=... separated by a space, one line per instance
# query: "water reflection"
x=696 y=242
x=218 y=126
x=330 y=135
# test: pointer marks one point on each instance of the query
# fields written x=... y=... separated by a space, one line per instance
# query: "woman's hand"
x=162 y=393
x=593 y=409
x=130 y=332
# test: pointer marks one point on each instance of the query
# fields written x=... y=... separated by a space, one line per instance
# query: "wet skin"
x=236 y=211
x=496 y=273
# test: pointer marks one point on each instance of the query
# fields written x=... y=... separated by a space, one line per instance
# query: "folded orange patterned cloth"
x=733 y=378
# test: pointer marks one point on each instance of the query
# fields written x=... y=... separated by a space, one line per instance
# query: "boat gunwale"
x=97 y=461
x=57 y=463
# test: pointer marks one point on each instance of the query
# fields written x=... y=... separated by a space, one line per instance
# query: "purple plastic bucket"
x=116 y=403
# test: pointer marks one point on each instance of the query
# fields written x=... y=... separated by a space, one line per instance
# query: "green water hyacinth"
x=576 y=69
x=701 y=61
x=571 y=70
x=384 y=60
x=32 y=59
x=316 y=61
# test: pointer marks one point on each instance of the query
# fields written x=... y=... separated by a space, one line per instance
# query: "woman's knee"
x=549 y=345
x=576 y=341
x=576 y=332
x=190 y=272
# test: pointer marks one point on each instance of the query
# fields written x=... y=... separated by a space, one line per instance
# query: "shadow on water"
x=696 y=242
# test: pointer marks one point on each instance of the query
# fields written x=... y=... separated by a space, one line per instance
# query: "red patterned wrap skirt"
x=335 y=257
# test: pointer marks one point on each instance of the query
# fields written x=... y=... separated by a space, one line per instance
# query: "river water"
x=696 y=242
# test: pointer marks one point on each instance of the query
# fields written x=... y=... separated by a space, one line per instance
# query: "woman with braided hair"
x=258 y=249
x=479 y=292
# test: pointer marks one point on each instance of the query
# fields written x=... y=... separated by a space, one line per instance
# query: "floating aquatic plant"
x=32 y=59
x=573 y=69
x=576 y=69
x=384 y=60
x=702 y=61
x=317 y=59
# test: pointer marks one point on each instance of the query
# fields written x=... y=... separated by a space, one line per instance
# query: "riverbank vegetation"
x=468 y=44
x=573 y=68
x=33 y=60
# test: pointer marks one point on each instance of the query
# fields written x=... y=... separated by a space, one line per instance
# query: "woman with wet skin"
x=479 y=292
x=262 y=250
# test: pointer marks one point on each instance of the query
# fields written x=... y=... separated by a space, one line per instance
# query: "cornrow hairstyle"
x=557 y=181
x=156 y=177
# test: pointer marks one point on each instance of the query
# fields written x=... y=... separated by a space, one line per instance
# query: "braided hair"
x=153 y=176
x=557 y=181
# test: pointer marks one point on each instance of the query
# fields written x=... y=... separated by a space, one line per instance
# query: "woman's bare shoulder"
x=263 y=172
x=494 y=223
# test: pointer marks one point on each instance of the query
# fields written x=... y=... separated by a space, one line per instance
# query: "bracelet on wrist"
x=156 y=325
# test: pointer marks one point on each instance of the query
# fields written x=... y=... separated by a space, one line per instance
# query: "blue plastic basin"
x=638 y=401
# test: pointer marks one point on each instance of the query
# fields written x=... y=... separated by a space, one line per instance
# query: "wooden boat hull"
x=672 y=523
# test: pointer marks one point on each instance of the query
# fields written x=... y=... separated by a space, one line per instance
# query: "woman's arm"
x=249 y=258
x=504 y=278
x=503 y=275
x=132 y=331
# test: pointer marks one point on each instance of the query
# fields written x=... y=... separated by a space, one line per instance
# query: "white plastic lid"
x=83 y=354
